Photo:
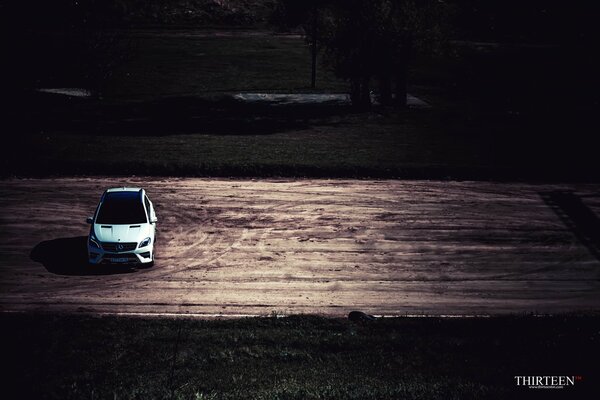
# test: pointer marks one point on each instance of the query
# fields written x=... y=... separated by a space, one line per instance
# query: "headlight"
x=145 y=242
x=93 y=242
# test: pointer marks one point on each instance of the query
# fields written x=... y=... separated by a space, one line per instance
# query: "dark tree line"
x=369 y=43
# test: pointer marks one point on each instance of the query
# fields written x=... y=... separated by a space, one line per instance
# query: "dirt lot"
x=248 y=247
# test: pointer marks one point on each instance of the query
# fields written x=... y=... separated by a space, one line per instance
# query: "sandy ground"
x=258 y=247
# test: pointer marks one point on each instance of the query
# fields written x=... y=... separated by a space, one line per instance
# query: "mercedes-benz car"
x=123 y=228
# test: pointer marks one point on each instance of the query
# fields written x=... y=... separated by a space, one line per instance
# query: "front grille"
x=114 y=247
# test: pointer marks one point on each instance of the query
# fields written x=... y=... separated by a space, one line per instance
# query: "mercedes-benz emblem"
x=119 y=247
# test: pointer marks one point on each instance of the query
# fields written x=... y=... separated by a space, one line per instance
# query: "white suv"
x=123 y=228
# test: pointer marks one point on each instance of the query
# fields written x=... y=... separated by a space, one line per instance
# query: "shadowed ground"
x=248 y=247
x=68 y=256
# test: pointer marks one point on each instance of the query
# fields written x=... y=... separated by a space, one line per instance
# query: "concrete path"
x=257 y=247
x=312 y=98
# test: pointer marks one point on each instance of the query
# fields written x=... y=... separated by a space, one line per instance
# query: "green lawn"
x=350 y=145
x=167 y=62
x=77 y=357
x=412 y=144
x=164 y=112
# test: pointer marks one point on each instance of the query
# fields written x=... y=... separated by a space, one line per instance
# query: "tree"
x=366 y=40
x=304 y=14
x=376 y=39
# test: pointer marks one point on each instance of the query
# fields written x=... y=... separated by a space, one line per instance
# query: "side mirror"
x=153 y=220
x=89 y=220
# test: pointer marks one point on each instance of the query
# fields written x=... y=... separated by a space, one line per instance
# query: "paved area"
x=310 y=98
x=258 y=247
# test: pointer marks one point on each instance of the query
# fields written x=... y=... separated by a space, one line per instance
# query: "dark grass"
x=501 y=113
x=301 y=357
x=210 y=138
x=177 y=64
x=165 y=62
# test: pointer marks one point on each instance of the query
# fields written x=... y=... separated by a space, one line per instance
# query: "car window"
x=147 y=207
x=121 y=208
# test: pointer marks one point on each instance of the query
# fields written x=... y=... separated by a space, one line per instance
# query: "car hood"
x=122 y=233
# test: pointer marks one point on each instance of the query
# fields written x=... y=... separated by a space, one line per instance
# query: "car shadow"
x=68 y=256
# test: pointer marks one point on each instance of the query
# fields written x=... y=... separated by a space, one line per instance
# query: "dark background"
x=516 y=88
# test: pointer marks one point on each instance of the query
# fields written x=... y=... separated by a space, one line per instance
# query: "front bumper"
x=142 y=255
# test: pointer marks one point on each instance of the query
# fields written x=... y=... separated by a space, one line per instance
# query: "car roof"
x=122 y=193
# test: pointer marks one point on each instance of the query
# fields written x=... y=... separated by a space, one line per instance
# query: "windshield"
x=121 y=208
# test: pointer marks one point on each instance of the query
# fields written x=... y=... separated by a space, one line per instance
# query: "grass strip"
x=299 y=357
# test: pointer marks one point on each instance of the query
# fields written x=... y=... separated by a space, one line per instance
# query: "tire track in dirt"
x=235 y=247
